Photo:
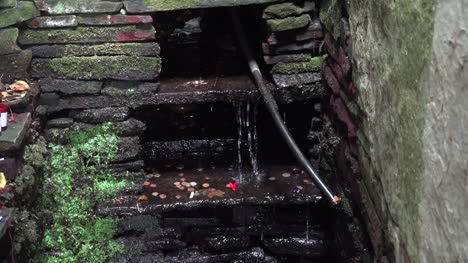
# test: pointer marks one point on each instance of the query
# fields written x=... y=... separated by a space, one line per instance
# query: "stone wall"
x=409 y=70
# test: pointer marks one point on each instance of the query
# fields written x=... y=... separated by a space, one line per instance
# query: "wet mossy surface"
x=24 y=10
x=86 y=35
x=88 y=68
x=282 y=11
x=289 y=23
x=163 y=5
x=313 y=65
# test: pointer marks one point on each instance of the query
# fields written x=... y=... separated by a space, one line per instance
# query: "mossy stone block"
x=70 y=87
x=143 y=6
x=111 y=49
x=289 y=23
x=8 y=39
x=57 y=7
x=294 y=68
x=21 y=12
x=106 y=67
x=7 y=3
x=14 y=66
x=87 y=35
x=282 y=11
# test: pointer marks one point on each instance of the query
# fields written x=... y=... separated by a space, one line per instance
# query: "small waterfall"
x=239 y=141
x=247 y=136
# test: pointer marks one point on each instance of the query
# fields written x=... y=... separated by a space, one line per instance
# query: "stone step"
x=165 y=192
x=12 y=139
x=128 y=33
x=182 y=91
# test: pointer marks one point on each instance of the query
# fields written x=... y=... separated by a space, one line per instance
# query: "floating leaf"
x=19 y=86
x=3 y=180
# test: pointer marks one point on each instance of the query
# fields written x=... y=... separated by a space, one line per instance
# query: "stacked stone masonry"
x=291 y=47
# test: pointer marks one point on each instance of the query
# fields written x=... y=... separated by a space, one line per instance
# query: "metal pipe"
x=272 y=107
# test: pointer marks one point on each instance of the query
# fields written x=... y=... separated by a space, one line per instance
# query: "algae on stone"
x=282 y=10
x=87 y=68
x=289 y=23
x=87 y=35
x=8 y=38
x=294 y=68
x=24 y=10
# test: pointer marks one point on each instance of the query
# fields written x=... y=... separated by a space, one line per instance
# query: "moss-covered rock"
x=95 y=116
x=282 y=11
x=133 y=49
x=8 y=38
x=87 y=35
x=115 y=67
x=289 y=23
x=70 y=87
x=7 y=3
x=78 y=6
x=142 y=6
x=313 y=65
x=23 y=11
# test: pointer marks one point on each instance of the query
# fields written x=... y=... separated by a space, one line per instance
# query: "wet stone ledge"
x=162 y=193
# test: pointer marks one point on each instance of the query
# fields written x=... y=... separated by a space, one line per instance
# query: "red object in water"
x=233 y=186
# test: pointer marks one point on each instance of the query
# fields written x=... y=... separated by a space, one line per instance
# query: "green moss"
x=103 y=67
x=282 y=11
x=131 y=49
x=313 y=65
x=79 y=34
x=23 y=11
x=289 y=23
x=165 y=5
x=77 y=179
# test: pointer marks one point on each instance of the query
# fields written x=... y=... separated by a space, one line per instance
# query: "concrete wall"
x=409 y=67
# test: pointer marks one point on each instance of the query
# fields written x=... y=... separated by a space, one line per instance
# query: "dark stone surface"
x=12 y=139
x=313 y=31
x=14 y=66
x=134 y=49
x=138 y=225
x=95 y=116
x=223 y=242
x=130 y=127
x=49 y=99
x=53 y=21
x=95 y=20
x=253 y=255
x=290 y=48
x=183 y=149
x=165 y=244
x=8 y=38
x=60 y=123
x=81 y=102
x=56 y=135
x=77 y=6
x=8 y=215
x=9 y=167
x=97 y=68
x=296 y=80
x=70 y=87
x=130 y=166
x=129 y=149
x=127 y=33
x=308 y=247
x=127 y=88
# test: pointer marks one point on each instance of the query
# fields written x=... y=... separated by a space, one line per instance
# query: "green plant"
x=77 y=178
